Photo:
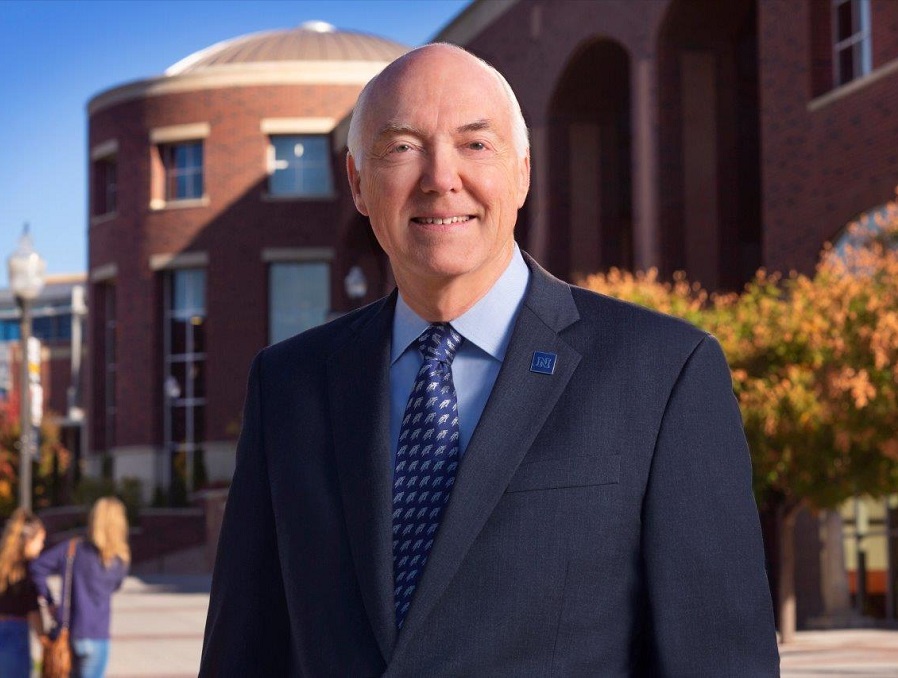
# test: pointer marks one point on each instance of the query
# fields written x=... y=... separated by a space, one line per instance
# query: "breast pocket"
x=550 y=474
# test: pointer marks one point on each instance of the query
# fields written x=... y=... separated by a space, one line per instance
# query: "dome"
x=311 y=41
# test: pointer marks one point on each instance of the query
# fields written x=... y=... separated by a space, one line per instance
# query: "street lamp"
x=356 y=285
x=26 y=280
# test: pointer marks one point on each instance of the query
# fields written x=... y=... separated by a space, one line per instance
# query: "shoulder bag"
x=57 y=653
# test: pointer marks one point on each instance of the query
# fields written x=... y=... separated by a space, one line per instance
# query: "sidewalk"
x=157 y=626
x=157 y=632
x=853 y=653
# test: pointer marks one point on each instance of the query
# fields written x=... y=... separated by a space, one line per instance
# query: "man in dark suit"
x=489 y=473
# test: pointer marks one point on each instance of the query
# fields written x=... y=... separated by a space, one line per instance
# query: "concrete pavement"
x=157 y=632
x=157 y=626
x=852 y=653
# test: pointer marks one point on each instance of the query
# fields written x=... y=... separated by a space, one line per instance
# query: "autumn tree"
x=54 y=460
x=815 y=369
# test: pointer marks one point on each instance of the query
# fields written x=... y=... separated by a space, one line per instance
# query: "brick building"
x=713 y=137
x=216 y=228
x=708 y=136
x=57 y=323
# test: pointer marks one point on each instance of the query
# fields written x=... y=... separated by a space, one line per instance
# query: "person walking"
x=99 y=566
x=23 y=539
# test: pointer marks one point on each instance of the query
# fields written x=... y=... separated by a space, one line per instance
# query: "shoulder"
x=593 y=321
x=635 y=322
x=55 y=552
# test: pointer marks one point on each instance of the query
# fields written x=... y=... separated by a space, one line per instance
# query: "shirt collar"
x=487 y=324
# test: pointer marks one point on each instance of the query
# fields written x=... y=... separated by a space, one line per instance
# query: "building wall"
x=231 y=229
x=827 y=154
x=532 y=44
x=824 y=155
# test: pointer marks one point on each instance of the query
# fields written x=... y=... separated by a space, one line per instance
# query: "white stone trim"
x=98 y=219
x=287 y=254
x=106 y=149
x=297 y=125
x=175 y=133
x=243 y=75
x=846 y=90
x=220 y=458
x=169 y=261
x=135 y=461
x=157 y=204
x=105 y=272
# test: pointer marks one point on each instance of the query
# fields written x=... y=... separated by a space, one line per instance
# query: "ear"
x=523 y=179
x=355 y=184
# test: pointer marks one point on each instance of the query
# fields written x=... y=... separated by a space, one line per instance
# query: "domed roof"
x=312 y=41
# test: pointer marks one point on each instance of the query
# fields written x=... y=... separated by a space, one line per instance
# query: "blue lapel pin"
x=543 y=363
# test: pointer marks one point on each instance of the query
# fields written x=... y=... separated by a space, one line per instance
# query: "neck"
x=440 y=300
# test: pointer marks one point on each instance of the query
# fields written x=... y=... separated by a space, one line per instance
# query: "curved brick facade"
x=233 y=232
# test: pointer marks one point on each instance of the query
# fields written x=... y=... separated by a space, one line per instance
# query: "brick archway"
x=591 y=216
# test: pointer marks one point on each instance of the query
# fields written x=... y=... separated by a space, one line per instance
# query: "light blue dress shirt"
x=486 y=327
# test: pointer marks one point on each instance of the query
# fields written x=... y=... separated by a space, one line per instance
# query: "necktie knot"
x=439 y=342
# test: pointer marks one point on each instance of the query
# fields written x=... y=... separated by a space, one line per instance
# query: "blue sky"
x=56 y=54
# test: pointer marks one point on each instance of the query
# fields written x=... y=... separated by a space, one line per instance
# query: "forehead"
x=437 y=93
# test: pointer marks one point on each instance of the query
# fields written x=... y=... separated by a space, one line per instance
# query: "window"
x=49 y=324
x=109 y=362
x=52 y=326
x=298 y=298
x=9 y=329
x=300 y=165
x=183 y=167
x=105 y=186
x=185 y=378
x=103 y=319
x=851 y=40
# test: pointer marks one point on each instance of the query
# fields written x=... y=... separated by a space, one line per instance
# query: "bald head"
x=449 y=56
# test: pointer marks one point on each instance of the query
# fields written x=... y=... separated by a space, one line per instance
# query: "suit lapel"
x=520 y=402
x=359 y=383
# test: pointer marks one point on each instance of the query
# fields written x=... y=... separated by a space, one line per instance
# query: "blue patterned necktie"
x=426 y=461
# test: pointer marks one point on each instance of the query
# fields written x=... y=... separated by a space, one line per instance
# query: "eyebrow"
x=477 y=126
x=392 y=128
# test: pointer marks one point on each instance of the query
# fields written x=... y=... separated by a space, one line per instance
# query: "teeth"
x=440 y=222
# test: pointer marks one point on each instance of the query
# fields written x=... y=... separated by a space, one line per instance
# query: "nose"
x=440 y=174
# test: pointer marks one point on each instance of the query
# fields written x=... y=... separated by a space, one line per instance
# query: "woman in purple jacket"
x=100 y=564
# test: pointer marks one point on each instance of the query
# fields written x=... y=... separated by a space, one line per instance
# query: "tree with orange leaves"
x=815 y=369
x=54 y=460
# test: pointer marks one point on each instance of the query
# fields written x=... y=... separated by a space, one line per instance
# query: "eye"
x=477 y=146
x=402 y=148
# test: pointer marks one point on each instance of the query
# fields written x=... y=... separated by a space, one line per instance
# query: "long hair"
x=21 y=527
x=107 y=529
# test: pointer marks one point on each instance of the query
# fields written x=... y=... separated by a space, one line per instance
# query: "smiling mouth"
x=442 y=221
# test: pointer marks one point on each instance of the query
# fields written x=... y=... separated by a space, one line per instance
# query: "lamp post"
x=26 y=280
x=356 y=285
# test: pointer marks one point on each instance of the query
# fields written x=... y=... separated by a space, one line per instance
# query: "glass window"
x=183 y=164
x=851 y=40
x=105 y=186
x=298 y=297
x=109 y=341
x=9 y=330
x=300 y=165
x=185 y=376
x=52 y=327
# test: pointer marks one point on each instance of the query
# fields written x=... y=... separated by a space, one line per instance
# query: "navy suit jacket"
x=601 y=524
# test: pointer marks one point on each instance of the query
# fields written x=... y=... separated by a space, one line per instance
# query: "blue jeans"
x=89 y=657
x=15 y=652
